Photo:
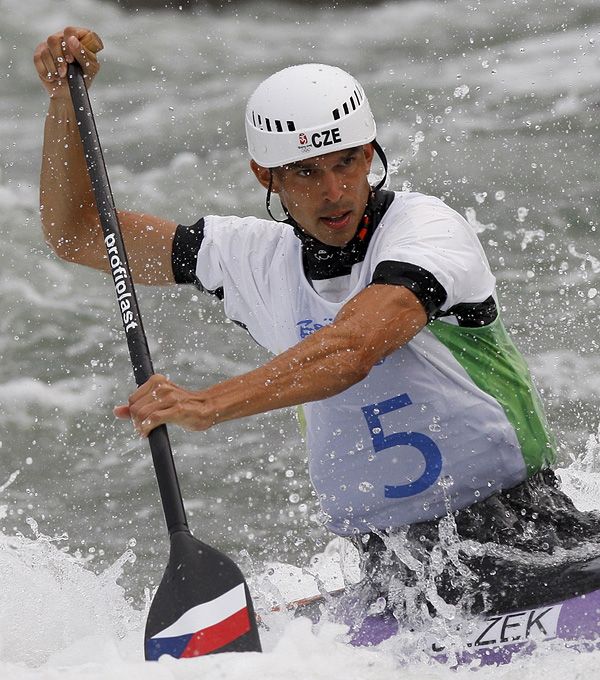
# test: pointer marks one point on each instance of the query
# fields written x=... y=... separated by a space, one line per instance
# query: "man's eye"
x=304 y=172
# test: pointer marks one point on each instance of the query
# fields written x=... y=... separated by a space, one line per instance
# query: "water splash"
x=51 y=603
x=594 y=262
x=529 y=235
x=9 y=481
x=581 y=479
x=479 y=227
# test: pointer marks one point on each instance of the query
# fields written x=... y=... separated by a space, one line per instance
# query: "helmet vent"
x=354 y=102
x=269 y=124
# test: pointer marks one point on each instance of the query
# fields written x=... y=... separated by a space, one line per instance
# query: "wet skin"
x=326 y=195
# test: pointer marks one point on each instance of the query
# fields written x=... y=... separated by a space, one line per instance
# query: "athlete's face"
x=326 y=195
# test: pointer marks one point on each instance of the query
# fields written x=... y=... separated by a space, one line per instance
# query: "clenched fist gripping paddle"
x=202 y=604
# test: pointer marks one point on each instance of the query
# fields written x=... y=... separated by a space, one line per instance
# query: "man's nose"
x=332 y=186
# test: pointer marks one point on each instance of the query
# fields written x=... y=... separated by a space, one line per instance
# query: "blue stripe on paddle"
x=173 y=646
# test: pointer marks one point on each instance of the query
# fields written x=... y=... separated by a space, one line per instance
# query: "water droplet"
x=378 y=606
x=446 y=481
x=461 y=91
x=365 y=487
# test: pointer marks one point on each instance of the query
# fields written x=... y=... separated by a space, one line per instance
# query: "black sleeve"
x=186 y=245
x=422 y=283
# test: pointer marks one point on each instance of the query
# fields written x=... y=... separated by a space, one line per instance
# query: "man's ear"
x=369 y=151
x=263 y=175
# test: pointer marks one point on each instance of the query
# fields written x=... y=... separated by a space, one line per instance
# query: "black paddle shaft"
x=160 y=446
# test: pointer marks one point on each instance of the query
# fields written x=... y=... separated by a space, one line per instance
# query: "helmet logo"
x=319 y=139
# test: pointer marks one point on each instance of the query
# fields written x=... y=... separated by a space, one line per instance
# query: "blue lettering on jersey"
x=309 y=326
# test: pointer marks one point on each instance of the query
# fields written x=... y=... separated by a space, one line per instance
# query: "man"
x=380 y=309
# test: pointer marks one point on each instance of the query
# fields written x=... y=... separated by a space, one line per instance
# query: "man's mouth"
x=339 y=221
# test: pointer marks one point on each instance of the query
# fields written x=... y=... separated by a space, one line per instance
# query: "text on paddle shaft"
x=119 y=274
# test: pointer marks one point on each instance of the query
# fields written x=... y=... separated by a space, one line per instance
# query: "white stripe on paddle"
x=207 y=614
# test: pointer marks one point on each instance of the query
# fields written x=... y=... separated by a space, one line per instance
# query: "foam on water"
x=487 y=105
x=59 y=620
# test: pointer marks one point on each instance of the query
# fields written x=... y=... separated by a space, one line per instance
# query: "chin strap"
x=384 y=162
x=268 y=201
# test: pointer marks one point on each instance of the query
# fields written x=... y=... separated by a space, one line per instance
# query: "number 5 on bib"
x=428 y=448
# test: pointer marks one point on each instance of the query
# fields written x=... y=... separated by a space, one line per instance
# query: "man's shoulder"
x=247 y=230
x=248 y=243
x=411 y=201
x=237 y=222
x=412 y=211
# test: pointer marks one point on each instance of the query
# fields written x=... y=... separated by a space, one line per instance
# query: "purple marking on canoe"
x=578 y=621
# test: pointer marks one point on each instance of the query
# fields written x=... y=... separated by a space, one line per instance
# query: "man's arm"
x=68 y=208
x=373 y=324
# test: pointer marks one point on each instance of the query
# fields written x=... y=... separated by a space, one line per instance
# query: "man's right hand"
x=60 y=49
x=68 y=208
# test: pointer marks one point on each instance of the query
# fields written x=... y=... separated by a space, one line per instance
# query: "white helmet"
x=305 y=111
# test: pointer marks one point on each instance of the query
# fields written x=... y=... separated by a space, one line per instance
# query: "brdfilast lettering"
x=119 y=274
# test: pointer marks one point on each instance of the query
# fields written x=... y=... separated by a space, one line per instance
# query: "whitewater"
x=491 y=106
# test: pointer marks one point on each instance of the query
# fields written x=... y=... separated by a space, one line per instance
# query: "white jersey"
x=444 y=421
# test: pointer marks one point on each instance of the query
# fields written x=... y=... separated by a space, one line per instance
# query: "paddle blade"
x=202 y=605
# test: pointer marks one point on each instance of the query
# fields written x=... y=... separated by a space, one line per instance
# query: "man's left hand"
x=159 y=401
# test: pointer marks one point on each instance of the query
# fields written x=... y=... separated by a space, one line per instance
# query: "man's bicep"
x=149 y=243
x=383 y=317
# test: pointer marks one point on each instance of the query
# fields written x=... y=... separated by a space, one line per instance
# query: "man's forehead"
x=324 y=160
